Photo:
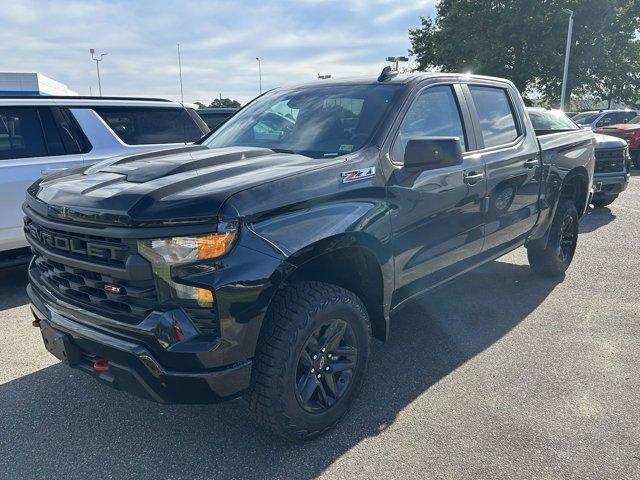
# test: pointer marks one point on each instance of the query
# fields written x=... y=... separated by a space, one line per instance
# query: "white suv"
x=42 y=135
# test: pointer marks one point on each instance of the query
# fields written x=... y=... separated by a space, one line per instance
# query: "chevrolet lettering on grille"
x=72 y=245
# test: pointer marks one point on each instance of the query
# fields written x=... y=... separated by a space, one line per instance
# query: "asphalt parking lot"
x=499 y=374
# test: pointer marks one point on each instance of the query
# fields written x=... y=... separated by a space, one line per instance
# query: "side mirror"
x=428 y=153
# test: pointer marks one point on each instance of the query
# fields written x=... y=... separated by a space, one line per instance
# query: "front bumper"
x=608 y=184
x=132 y=366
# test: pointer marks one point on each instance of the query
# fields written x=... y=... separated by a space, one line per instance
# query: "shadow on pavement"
x=59 y=420
x=596 y=218
x=13 y=282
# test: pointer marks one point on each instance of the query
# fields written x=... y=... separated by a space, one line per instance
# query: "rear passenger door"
x=34 y=141
x=513 y=165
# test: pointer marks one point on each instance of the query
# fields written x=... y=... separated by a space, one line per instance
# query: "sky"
x=219 y=42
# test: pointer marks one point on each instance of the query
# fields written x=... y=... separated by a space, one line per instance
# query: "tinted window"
x=20 y=133
x=586 y=118
x=550 y=120
x=626 y=117
x=434 y=113
x=144 y=125
x=318 y=122
x=607 y=119
x=497 y=122
x=51 y=132
x=213 y=120
x=72 y=136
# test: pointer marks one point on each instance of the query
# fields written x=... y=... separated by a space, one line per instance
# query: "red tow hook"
x=101 y=365
x=36 y=321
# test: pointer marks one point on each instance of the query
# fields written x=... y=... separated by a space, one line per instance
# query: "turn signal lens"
x=215 y=245
x=204 y=297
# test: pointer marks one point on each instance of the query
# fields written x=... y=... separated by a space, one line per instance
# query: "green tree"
x=524 y=41
x=225 y=103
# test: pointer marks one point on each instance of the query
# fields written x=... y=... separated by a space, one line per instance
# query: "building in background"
x=31 y=84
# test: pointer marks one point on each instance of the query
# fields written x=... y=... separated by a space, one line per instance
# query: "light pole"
x=396 y=61
x=259 y=59
x=566 y=58
x=180 y=72
x=97 y=60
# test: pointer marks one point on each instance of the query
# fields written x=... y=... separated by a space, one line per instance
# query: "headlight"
x=163 y=253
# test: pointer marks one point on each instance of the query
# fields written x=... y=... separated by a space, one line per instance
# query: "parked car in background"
x=261 y=262
x=613 y=164
x=42 y=135
x=571 y=114
x=602 y=118
x=214 y=117
x=628 y=131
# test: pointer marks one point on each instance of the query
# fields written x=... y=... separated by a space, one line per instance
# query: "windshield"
x=318 y=122
x=635 y=119
x=586 y=118
x=551 y=120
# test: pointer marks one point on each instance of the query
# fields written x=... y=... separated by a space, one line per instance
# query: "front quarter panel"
x=308 y=214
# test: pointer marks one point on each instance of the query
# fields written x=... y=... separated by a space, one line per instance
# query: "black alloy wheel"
x=325 y=366
x=568 y=239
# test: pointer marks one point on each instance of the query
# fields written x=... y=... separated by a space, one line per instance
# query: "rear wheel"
x=604 y=200
x=310 y=360
x=554 y=258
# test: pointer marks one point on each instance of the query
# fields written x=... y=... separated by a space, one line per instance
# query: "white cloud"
x=219 y=42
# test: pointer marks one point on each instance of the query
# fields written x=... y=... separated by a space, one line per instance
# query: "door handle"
x=47 y=171
x=472 y=177
x=532 y=162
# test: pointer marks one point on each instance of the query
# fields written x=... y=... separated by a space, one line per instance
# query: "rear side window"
x=20 y=133
x=497 y=122
x=73 y=138
x=214 y=120
x=144 y=125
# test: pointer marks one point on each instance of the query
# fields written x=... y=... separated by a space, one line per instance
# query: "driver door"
x=437 y=214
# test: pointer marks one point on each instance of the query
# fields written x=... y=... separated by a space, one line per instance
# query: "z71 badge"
x=360 y=174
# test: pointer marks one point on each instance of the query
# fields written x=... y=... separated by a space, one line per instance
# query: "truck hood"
x=608 y=141
x=183 y=185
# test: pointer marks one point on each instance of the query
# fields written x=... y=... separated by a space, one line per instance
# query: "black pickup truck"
x=261 y=262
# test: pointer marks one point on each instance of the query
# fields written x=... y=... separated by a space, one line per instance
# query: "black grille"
x=124 y=300
x=99 y=249
x=610 y=161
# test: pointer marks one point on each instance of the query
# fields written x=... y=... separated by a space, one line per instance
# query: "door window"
x=51 y=132
x=607 y=119
x=497 y=121
x=434 y=113
x=20 y=133
x=151 y=125
x=73 y=138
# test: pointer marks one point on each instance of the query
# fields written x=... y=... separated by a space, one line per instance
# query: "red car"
x=630 y=132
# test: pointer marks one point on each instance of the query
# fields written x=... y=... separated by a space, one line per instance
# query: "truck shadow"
x=596 y=218
x=13 y=282
x=59 y=420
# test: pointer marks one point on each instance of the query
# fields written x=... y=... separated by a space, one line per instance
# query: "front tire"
x=554 y=259
x=310 y=360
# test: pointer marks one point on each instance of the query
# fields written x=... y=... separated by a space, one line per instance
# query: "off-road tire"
x=603 y=201
x=549 y=261
x=291 y=319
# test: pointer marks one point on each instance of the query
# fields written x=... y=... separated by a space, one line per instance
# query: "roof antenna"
x=386 y=74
